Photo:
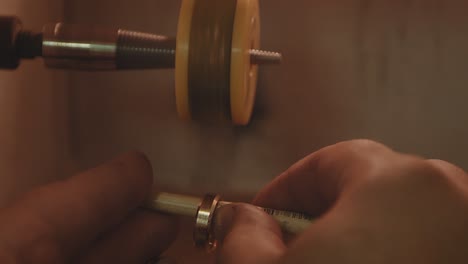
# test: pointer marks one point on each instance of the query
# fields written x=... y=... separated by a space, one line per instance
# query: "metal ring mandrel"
x=203 y=235
x=202 y=210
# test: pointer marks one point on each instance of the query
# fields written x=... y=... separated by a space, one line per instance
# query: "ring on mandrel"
x=203 y=234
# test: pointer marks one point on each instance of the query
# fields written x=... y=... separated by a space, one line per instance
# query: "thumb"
x=246 y=234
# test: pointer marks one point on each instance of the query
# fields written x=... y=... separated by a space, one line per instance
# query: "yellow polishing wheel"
x=181 y=64
x=215 y=77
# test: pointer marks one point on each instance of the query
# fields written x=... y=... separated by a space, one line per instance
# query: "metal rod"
x=93 y=48
x=265 y=57
x=185 y=205
x=68 y=46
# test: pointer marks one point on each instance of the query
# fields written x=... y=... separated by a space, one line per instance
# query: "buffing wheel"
x=214 y=75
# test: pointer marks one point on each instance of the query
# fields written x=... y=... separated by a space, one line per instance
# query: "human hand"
x=92 y=217
x=373 y=205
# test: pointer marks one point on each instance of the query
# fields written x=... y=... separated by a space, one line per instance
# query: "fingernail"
x=223 y=220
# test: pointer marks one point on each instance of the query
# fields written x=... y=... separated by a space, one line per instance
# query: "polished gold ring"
x=203 y=235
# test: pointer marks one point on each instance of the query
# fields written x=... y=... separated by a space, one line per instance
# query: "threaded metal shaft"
x=136 y=50
x=78 y=47
x=89 y=48
x=265 y=57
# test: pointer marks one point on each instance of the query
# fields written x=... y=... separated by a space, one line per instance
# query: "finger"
x=246 y=234
x=314 y=184
x=60 y=218
x=144 y=236
x=457 y=174
x=447 y=167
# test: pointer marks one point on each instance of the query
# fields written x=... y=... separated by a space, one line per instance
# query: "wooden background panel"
x=393 y=71
x=34 y=111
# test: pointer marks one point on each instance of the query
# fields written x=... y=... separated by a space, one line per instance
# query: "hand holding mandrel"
x=370 y=203
x=203 y=211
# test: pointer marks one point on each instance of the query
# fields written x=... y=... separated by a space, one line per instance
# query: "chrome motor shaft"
x=93 y=48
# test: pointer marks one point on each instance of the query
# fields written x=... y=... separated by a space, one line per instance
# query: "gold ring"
x=203 y=235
